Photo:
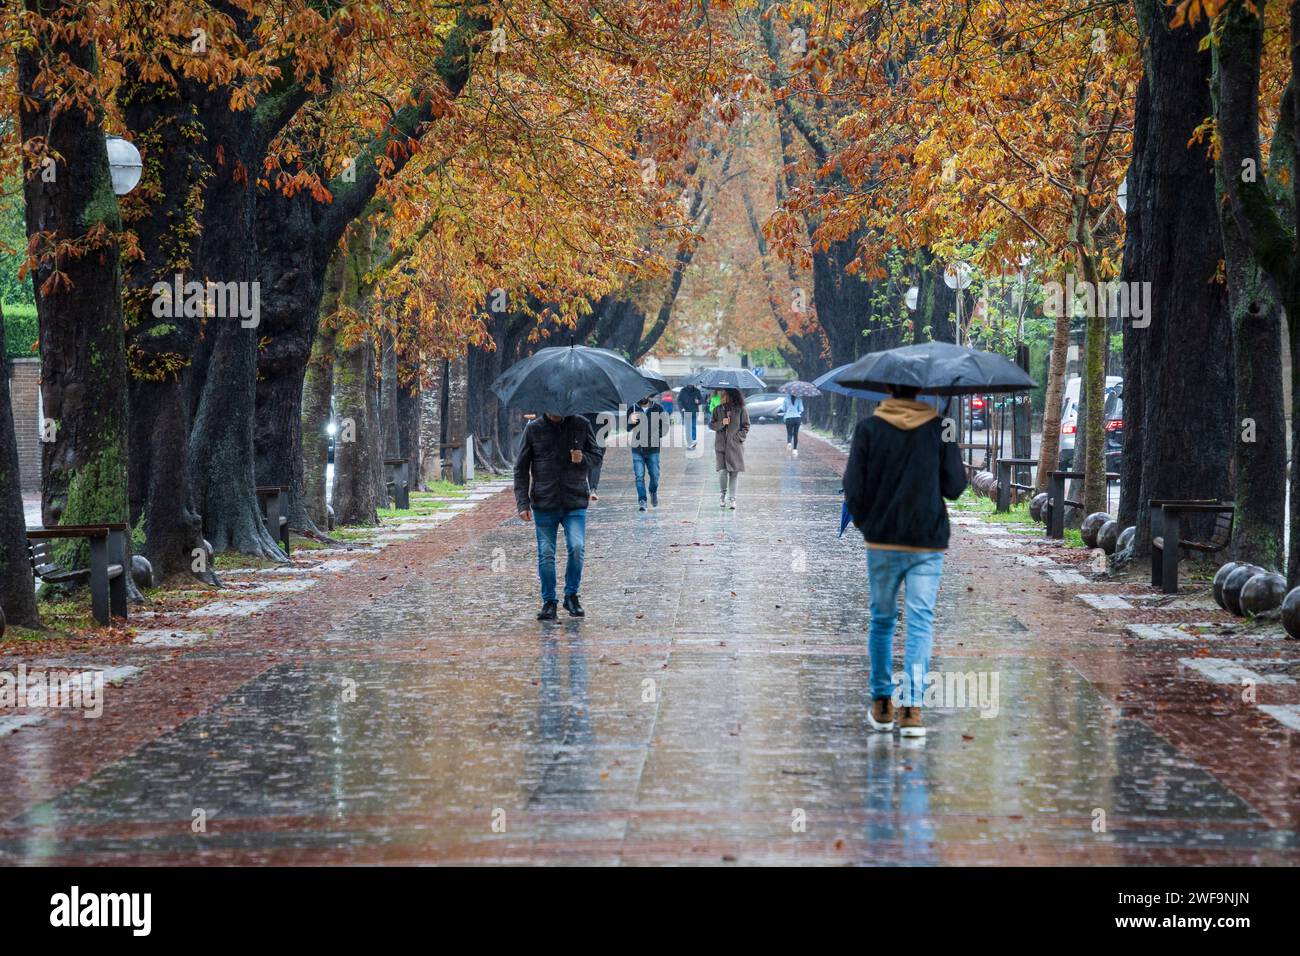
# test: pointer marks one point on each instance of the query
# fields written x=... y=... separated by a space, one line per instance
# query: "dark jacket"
x=546 y=479
x=689 y=399
x=900 y=469
x=647 y=426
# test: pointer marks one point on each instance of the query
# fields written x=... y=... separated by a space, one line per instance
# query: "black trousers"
x=792 y=432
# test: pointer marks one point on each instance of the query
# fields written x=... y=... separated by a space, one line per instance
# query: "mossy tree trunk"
x=1259 y=451
x=73 y=215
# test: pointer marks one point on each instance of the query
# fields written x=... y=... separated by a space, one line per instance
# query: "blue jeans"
x=694 y=419
x=642 y=462
x=887 y=572
x=575 y=540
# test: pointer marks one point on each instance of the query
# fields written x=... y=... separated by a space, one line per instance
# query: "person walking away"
x=689 y=401
x=792 y=415
x=647 y=423
x=899 y=471
x=553 y=486
x=730 y=425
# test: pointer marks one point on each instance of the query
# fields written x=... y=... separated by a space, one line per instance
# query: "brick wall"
x=24 y=392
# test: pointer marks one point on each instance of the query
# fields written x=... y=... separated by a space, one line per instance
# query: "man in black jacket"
x=553 y=484
x=647 y=423
x=900 y=469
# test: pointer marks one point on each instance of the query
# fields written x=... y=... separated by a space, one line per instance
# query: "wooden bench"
x=398 y=477
x=274 y=500
x=1005 y=484
x=1167 y=543
x=1056 y=495
x=107 y=571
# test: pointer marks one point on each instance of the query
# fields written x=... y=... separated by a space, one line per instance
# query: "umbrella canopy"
x=659 y=384
x=936 y=368
x=738 y=378
x=800 y=389
x=827 y=383
x=572 y=380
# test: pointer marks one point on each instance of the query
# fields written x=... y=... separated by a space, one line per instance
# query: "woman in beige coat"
x=730 y=425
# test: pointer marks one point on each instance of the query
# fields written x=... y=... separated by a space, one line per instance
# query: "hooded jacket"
x=546 y=479
x=900 y=469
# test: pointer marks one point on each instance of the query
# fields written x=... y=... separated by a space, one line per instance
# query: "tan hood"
x=905 y=413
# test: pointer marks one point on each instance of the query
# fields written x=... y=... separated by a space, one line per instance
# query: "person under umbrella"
x=647 y=424
x=553 y=478
x=730 y=425
x=792 y=411
x=899 y=472
x=689 y=400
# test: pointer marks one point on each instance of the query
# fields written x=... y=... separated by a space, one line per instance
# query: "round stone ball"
x=1091 y=525
x=1263 y=592
x=1036 y=505
x=1232 y=587
x=1125 y=538
x=1291 y=613
x=141 y=571
x=1108 y=536
x=1221 y=578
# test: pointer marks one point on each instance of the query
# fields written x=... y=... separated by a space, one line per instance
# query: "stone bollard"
x=1233 y=585
x=1108 y=536
x=1291 y=614
x=141 y=571
x=1262 y=593
x=1036 y=505
x=1220 y=578
x=1091 y=525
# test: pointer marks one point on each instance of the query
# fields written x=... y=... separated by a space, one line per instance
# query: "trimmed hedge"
x=20 y=331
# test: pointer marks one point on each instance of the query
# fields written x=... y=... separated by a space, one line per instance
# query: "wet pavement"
x=711 y=708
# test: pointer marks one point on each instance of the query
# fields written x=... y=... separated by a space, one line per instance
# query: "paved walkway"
x=711 y=708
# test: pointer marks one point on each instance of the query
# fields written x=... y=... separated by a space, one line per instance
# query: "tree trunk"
x=1259 y=452
x=1186 y=445
x=318 y=391
x=355 y=498
x=82 y=345
x=431 y=427
x=1049 y=450
x=17 y=586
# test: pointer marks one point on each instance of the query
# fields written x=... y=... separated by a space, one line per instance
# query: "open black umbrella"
x=660 y=385
x=936 y=368
x=737 y=378
x=572 y=380
x=827 y=383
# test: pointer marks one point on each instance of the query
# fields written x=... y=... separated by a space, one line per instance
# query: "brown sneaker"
x=881 y=714
x=909 y=724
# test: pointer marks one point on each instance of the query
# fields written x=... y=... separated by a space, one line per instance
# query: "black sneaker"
x=572 y=606
x=547 y=613
x=654 y=499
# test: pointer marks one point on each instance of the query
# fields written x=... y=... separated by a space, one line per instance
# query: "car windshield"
x=1114 y=407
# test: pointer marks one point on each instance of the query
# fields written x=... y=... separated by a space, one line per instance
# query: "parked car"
x=979 y=413
x=764 y=407
x=1070 y=416
x=1114 y=424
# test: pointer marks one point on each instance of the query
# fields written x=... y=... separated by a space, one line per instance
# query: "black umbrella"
x=660 y=385
x=573 y=380
x=738 y=378
x=936 y=368
x=827 y=383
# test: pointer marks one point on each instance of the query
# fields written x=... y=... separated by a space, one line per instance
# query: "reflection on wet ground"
x=711 y=708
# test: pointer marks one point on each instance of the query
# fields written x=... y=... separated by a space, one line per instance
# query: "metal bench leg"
x=1004 y=487
x=1169 y=553
x=1157 y=559
x=1056 y=486
x=117 y=586
x=99 y=600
